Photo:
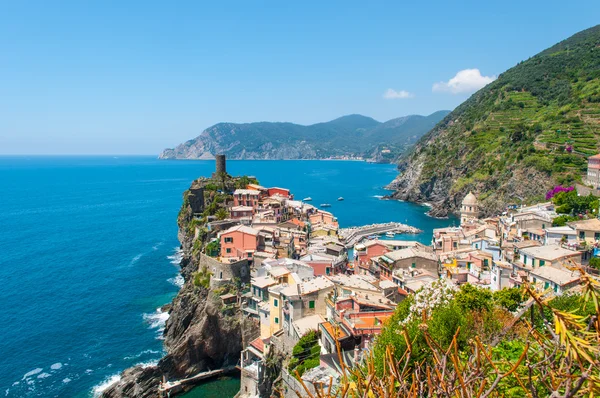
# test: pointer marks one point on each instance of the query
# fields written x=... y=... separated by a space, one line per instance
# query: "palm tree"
x=222 y=214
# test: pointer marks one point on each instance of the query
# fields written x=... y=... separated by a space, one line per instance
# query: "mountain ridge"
x=349 y=136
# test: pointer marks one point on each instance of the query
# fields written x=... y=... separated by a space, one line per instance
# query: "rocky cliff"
x=198 y=335
x=514 y=139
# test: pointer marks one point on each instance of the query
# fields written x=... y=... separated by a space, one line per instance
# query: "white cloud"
x=393 y=94
x=465 y=81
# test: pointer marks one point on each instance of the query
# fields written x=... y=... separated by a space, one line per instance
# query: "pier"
x=351 y=236
x=166 y=388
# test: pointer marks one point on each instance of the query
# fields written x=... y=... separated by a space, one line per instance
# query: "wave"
x=156 y=246
x=157 y=319
x=44 y=375
x=98 y=389
x=177 y=280
x=66 y=380
x=56 y=366
x=148 y=364
x=145 y=352
x=176 y=257
x=32 y=373
x=135 y=259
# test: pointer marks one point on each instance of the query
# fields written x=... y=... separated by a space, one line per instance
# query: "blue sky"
x=134 y=77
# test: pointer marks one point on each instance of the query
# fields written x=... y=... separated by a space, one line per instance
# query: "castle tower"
x=469 y=208
x=221 y=164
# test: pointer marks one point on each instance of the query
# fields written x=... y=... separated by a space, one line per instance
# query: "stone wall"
x=225 y=272
x=585 y=191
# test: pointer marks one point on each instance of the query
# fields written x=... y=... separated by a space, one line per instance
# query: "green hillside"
x=347 y=136
x=531 y=128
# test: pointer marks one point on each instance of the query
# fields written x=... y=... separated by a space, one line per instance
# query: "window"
x=581 y=234
x=275 y=303
x=596 y=235
x=276 y=320
x=249 y=255
x=455 y=244
x=525 y=259
x=327 y=270
x=228 y=250
x=414 y=265
x=542 y=263
x=311 y=304
x=228 y=240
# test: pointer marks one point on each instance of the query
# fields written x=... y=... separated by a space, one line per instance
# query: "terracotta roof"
x=338 y=332
x=259 y=344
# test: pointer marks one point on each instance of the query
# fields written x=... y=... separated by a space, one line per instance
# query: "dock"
x=351 y=236
x=167 y=387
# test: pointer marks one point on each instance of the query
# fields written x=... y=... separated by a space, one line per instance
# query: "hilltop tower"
x=221 y=164
x=469 y=208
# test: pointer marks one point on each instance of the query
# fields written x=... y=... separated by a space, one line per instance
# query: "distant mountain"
x=346 y=137
x=514 y=139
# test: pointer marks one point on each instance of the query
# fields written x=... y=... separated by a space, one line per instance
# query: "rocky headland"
x=200 y=334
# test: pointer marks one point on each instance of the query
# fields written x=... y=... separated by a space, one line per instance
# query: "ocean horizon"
x=90 y=254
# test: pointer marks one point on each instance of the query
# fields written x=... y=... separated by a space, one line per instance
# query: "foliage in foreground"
x=558 y=358
x=306 y=353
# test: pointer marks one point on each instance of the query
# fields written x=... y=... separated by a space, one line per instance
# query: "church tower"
x=469 y=208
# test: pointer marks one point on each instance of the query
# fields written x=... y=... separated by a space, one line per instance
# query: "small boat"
x=390 y=234
x=340 y=198
x=308 y=199
x=325 y=205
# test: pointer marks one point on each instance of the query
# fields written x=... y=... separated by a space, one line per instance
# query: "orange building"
x=280 y=191
x=323 y=217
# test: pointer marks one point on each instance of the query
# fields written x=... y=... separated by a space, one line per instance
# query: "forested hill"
x=347 y=136
x=514 y=139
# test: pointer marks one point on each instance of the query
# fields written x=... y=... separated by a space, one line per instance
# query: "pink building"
x=246 y=197
x=593 y=171
x=239 y=242
x=239 y=212
x=365 y=252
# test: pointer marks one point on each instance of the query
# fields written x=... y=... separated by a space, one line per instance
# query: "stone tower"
x=221 y=164
x=469 y=208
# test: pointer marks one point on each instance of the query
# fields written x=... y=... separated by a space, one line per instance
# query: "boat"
x=340 y=198
x=307 y=199
x=325 y=205
x=390 y=234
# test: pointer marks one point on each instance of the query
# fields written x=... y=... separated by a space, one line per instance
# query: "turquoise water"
x=88 y=254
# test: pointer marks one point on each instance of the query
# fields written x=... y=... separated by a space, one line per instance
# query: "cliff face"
x=198 y=335
x=516 y=138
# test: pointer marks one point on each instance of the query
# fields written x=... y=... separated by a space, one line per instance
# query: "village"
x=301 y=273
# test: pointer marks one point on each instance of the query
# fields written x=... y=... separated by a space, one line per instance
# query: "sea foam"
x=109 y=381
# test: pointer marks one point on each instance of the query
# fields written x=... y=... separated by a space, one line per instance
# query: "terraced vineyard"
x=511 y=141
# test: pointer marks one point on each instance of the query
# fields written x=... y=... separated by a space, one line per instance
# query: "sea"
x=89 y=254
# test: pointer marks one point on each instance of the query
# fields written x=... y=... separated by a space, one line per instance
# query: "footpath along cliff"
x=201 y=333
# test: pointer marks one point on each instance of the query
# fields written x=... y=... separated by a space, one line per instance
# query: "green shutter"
x=311 y=304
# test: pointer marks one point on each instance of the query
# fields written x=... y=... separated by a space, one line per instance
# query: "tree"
x=222 y=214
x=595 y=262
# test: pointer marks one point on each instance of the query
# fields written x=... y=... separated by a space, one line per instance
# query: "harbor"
x=352 y=235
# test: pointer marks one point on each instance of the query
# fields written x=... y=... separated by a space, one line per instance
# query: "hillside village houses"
x=301 y=278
